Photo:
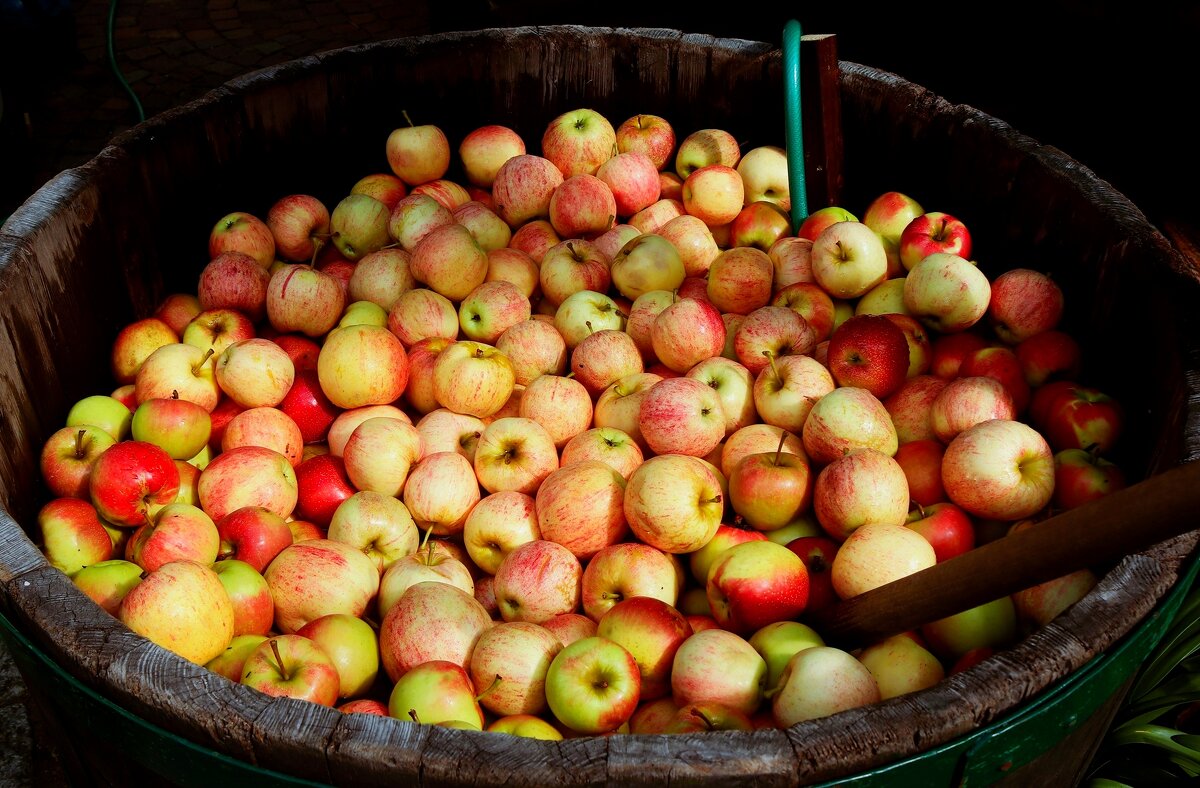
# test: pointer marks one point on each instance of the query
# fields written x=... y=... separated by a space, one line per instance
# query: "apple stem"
x=700 y=713
x=622 y=315
x=779 y=449
x=407 y=119
x=920 y=509
x=80 y=444
x=413 y=714
x=715 y=499
x=279 y=659
x=588 y=323
x=200 y=364
x=773 y=691
x=1093 y=450
x=174 y=393
x=495 y=683
x=771 y=359
x=425 y=540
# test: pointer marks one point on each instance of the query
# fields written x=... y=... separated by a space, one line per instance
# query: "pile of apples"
x=585 y=441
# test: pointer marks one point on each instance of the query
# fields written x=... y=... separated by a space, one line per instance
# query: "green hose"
x=795 y=129
x=112 y=62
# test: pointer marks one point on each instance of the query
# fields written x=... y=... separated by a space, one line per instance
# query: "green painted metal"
x=792 y=34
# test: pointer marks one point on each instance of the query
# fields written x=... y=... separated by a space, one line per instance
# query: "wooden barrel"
x=101 y=244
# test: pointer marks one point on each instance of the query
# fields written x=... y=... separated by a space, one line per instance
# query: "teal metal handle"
x=794 y=127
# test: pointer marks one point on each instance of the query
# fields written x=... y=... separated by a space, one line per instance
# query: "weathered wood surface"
x=104 y=242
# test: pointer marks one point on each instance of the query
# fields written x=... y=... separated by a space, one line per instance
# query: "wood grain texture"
x=110 y=238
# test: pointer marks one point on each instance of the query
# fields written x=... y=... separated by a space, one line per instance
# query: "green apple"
x=364 y=313
x=434 y=692
x=526 y=725
x=105 y=412
x=352 y=645
x=230 y=662
x=106 y=583
x=179 y=427
x=991 y=624
x=593 y=686
x=778 y=642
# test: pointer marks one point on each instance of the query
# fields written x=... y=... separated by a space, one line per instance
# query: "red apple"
x=945 y=526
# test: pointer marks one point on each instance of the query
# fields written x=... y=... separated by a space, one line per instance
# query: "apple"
x=888 y=214
x=445 y=430
x=609 y=243
x=759 y=224
x=177 y=532
x=885 y=298
x=705 y=147
x=990 y=625
x=472 y=378
x=909 y=406
x=183 y=607
x=647 y=263
x=947 y=528
x=302 y=350
x=255 y=373
x=449 y=261
x=753 y=439
x=1041 y=604
x=756 y=583
x=1082 y=417
x=317 y=577
x=291 y=666
x=100 y=410
x=498 y=524
x=652 y=135
x=674 y=502
x=107 y=582
x=432 y=562
x=771 y=332
x=869 y=352
x=720 y=666
x=820 y=219
x=253 y=535
x=231 y=662
x=177 y=310
x=559 y=404
x=413 y=218
x=769 y=489
x=933 y=232
x=740 y=280
x=863 y=487
x=571 y=266
x=1081 y=476
x=242 y=232
x=484 y=149
x=1049 y=356
x=72 y=536
x=515 y=267
x=609 y=445
x=178 y=371
x=844 y=419
x=848 y=259
x=686 y=333
x=632 y=178
x=584 y=205
x=377 y=524
x=525 y=725
x=580 y=506
x=379 y=454
x=876 y=554
x=535 y=348
x=253 y=605
x=1024 y=302
x=624 y=571
x=579 y=141
x=651 y=630
x=490 y=309
x=764 y=172
x=693 y=241
x=901 y=665
x=440 y=491
x=817 y=552
x=321 y=486
x=131 y=480
x=347 y=421
x=133 y=345
x=714 y=194
x=946 y=292
x=519 y=654
x=308 y=406
x=593 y=686
x=820 y=681
x=383 y=186
x=417 y=154
x=585 y=312
x=535 y=237
x=537 y=581
x=603 y=358
x=233 y=280
x=248 y=476
x=421 y=313
x=68 y=456
x=304 y=300
x=917 y=337
x=569 y=627
x=681 y=416
x=351 y=644
x=921 y=461
x=999 y=469
x=514 y=453
x=967 y=401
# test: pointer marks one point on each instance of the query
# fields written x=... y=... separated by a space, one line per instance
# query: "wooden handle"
x=1103 y=531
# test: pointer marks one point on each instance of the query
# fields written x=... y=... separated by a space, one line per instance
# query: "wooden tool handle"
x=1103 y=531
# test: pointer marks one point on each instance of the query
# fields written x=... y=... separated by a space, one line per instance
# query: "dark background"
x=1111 y=84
